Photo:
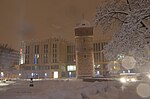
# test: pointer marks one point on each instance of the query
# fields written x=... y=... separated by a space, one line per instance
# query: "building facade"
x=9 y=63
x=100 y=63
x=71 y=60
x=44 y=59
x=56 y=58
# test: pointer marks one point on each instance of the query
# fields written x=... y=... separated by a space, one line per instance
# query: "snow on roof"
x=83 y=23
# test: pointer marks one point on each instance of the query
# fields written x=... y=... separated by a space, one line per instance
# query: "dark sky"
x=43 y=18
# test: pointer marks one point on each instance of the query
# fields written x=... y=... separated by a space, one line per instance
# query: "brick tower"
x=84 y=49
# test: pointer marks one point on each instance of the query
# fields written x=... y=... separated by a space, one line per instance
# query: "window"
x=54 y=53
x=36 y=49
x=36 y=54
x=27 y=59
x=84 y=40
x=54 y=45
x=71 y=68
x=33 y=68
x=46 y=53
x=94 y=46
x=46 y=48
x=27 y=49
x=54 y=67
x=45 y=58
x=99 y=47
x=84 y=56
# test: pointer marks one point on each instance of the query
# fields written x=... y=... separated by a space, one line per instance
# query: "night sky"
x=40 y=19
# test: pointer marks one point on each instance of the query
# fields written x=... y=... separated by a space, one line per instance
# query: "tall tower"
x=84 y=49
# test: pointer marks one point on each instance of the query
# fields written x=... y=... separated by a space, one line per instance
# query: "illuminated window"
x=36 y=52
x=71 y=68
x=55 y=74
x=45 y=74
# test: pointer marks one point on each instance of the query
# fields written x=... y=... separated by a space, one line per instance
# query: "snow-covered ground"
x=73 y=89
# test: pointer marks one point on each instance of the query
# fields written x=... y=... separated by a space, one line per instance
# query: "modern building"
x=44 y=59
x=56 y=58
x=9 y=62
x=100 y=63
x=71 y=60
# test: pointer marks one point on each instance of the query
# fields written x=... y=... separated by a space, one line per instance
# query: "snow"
x=70 y=89
x=133 y=35
x=6 y=83
x=143 y=90
x=83 y=23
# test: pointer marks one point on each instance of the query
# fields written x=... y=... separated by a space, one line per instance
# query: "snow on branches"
x=133 y=37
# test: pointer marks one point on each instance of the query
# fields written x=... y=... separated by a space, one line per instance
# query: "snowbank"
x=70 y=89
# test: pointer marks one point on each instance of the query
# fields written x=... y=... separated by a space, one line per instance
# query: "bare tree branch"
x=129 y=5
x=119 y=19
x=133 y=34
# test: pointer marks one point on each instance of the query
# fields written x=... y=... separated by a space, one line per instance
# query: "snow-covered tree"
x=133 y=35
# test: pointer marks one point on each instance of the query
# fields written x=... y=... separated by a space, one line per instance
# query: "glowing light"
x=110 y=65
x=2 y=74
x=128 y=79
x=123 y=80
x=19 y=74
x=32 y=74
x=38 y=56
x=45 y=74
x=133 y=79
x=69 y=74
x=143 y=90
x=148 y=76
x=128 y=71
x=55 y=74
x=114 y=67
x=115 y=62
x=97 y=73
x=71 y=68
x=21 y=61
